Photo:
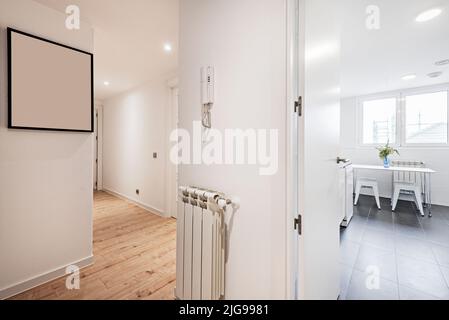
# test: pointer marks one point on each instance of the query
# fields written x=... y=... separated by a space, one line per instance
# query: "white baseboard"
x=137 y=203
x=42 y=279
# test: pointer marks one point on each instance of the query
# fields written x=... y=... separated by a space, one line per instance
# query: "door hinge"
x=298 y=106
x=298 y=224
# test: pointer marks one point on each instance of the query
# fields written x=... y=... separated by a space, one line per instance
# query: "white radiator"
x=201 y=244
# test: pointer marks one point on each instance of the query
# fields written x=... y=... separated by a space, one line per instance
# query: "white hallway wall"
x=45 y=177
x=246 y=43
x=435 y=158
x=134 y=127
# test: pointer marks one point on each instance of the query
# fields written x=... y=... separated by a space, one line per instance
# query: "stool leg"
x=376 y=195
x=419 y=201
x=358 y=189
x=396 y=197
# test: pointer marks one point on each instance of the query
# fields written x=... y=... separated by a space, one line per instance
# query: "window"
x=406 y=118
x=379 y=121
x=426 y=118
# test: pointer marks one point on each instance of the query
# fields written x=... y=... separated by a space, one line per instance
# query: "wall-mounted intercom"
x=207 y=95
x=207 y=85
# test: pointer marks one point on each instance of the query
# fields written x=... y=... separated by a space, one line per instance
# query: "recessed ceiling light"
x=106 y=83
x=168 y=47
x=428 y=15
x=409 y=77
x=442 y=62
x=435 y=74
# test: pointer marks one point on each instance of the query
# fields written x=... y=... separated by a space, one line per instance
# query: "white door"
x=319 y=135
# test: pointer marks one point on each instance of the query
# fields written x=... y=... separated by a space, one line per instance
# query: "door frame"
x=295 y=88
x=98 y=140
x=171 y=172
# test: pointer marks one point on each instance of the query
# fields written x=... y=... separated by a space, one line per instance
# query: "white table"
x=426 y=172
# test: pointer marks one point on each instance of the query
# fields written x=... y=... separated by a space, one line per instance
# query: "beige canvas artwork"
x=50 y=85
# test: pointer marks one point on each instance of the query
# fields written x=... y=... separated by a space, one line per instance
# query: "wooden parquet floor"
x=134 y=257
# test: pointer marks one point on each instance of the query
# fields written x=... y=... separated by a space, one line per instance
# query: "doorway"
x=391 y=249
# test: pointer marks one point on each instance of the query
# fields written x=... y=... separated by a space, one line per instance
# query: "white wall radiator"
x=201 y=244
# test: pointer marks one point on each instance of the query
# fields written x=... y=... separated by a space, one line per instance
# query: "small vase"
x=386 y=162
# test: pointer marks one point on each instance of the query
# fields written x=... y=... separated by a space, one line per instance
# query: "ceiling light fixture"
x=435 y=74
x=409 y=77
x=428 y=15
x=106 y=83
x=442 y=62
x=168 y=47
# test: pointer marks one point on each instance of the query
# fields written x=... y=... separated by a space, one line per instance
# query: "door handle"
x=340 y=160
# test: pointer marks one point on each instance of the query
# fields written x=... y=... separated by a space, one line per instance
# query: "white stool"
x=410 y=183
x=408 y=187
x=367 y=183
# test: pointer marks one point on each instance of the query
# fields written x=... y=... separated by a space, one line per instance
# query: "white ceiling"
x=375 y=61
x=129 y=40
x=130 y=35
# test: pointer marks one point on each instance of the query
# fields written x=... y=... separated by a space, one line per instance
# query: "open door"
x=317 y=222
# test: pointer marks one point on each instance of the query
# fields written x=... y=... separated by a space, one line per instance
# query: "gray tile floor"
x=410 y=253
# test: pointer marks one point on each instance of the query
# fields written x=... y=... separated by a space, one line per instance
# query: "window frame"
x=421 y=91
x=401 y=136
x=360 y=116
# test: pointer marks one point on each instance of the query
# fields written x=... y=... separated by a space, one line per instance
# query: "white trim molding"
x=142 y=205
x=42 y=279
x=99 y=109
